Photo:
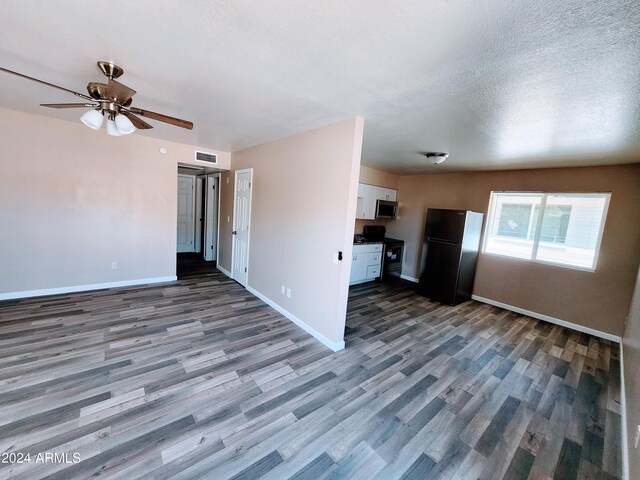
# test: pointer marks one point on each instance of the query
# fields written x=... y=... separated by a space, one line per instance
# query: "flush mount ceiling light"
x=111 y=100
x=436 y=157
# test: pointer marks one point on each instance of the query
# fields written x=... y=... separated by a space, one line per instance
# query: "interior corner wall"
x=631 y=378
x=74 y=200
x=302 y=212
x=597 y=300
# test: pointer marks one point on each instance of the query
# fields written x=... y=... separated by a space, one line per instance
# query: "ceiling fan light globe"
x=92 y=119
x=125 y=127
x=112 y=129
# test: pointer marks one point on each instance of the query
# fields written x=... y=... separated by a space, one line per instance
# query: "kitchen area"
x=449 y=246
x=375 y=255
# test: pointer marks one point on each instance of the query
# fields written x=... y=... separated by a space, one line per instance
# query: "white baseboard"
x=623 y=414
x=84 y=288
x=411 y=279
x=226 y=272
x=546 y=318
x=335 y=346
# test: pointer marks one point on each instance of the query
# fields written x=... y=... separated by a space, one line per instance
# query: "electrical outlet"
x=114 y=265
x=228 y=218
x=288 y=292
x=282 y=289
x=637 y=436
x=335 y=258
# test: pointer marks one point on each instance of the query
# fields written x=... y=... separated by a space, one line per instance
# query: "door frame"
x=212 y=209
x=199 y=219
x=233 y=237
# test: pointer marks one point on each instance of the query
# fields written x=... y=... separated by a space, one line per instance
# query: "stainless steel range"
x=393 y=249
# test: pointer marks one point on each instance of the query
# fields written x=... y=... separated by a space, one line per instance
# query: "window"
x=558 y=228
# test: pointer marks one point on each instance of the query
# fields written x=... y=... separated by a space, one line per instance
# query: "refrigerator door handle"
x=439 y=240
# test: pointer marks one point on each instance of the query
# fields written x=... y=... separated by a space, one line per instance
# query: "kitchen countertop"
x=360 y=240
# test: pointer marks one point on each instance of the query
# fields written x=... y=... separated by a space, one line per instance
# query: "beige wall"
x=303 y=209
x=74 y=200
x=631 y=353
x=371 y=176
x=597 y=300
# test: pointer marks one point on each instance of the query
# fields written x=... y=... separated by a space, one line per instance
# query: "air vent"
x=206 y=157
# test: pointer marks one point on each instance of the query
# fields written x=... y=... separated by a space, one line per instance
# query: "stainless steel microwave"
x=386 y=209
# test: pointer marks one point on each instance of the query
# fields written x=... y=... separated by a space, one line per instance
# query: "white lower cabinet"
x=366 y=263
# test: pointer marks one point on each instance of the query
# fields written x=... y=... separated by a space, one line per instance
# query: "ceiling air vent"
x=206 y=157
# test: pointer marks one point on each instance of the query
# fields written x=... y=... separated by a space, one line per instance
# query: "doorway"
x=197 y=222
x=241 y=224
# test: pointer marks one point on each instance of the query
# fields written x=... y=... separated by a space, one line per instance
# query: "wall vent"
x=206 y=157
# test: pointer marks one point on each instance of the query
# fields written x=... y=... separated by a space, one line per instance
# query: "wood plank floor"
x=200 y=379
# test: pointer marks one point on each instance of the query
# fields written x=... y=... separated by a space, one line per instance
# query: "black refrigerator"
x=450 y=252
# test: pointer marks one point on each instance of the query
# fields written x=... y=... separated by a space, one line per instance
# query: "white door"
x=186 y=197
x=241 y=223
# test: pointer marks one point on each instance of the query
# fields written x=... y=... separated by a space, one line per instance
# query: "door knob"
x=235 y=232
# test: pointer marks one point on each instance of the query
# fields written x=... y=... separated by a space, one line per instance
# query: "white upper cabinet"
x=386 y=194
x=368 y=195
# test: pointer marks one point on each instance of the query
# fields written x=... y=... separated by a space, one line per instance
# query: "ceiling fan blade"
x=119 y=92
x=137 y=122
x=81 y=95
x=69 y=105
x=162 y=118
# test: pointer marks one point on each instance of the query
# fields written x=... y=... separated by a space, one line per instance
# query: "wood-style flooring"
x=200 y=379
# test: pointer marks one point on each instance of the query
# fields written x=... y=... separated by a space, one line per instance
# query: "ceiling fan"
x=111 y=100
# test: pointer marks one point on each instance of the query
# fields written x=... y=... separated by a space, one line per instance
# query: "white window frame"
x=536 y=240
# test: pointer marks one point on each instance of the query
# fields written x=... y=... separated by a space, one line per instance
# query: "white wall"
x=303 y=210
x=74 y=200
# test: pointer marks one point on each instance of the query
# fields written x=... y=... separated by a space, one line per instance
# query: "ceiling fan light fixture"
x=110 y=100
x=436 y=157
x=92 y=119
x=125 y=127
x=112 y=129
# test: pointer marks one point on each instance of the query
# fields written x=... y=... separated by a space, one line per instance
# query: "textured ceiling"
x=498 y=84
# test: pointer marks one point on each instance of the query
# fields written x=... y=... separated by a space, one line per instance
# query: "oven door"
x=392 y=264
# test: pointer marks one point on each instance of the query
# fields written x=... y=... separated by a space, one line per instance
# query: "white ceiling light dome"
x=125 y=127
x=112 y=129
x=436 y=157
x=92 y=119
